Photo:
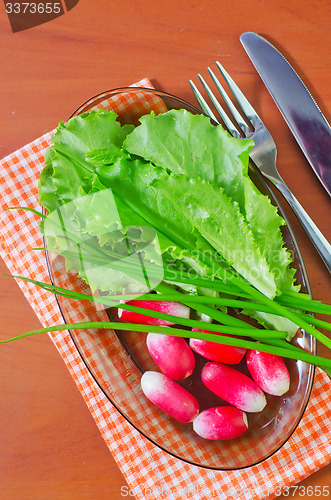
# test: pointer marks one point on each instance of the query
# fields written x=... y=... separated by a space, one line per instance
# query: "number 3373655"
x=33 y=8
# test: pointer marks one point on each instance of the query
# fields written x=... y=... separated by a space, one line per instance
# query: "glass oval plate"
x=116 y=360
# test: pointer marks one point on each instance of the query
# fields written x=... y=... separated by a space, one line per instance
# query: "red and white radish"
x=233 y=386
x=169 y=396
x=220 y=423
x=269 y=372
x=173 y=308
x=172 y=355
x=217 y=352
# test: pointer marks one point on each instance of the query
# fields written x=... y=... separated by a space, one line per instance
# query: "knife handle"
x=320 y=242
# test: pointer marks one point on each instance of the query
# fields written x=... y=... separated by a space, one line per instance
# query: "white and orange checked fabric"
x=149 y=471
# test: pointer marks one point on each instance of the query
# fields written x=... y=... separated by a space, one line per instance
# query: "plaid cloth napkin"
x=149 y=471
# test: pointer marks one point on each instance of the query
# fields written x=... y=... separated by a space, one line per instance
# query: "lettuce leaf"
x=103 y=267
x=69 y=172
x=207 y=206
x=48 y=197
x=132 y=182
x=91 y=131
x=188 y=144
x=219 y=220
x=265 y=223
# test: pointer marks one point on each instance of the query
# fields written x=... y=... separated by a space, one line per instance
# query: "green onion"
x=304 y=304
x=178 y=332
x=230 y=321
x=29 y=210
x=227 y=276
x=247 y=330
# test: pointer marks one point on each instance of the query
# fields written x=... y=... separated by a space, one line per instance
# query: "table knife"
x=300 y=111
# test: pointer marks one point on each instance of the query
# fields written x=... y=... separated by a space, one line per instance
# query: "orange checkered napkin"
x=149 y=471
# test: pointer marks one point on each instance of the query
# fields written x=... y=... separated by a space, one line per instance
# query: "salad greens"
x=188 y=144
x=179 y=175
x=219 y=220
x=175 y=193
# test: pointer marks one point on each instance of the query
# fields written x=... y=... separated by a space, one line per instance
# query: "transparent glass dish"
x=116 y=360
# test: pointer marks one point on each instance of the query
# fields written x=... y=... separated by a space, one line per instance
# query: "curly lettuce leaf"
x=48 y=197
x=96 y=130
x=87 y=156
x=265 y=223
x=188 y=144
x=220 y=221
x=70 y=163
x=132 y=182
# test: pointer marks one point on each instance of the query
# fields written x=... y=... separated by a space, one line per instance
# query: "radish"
x=169 y=396
x=233 y=386
x=222 y=422
x=173 y=308
x=269 y=372
x=172 y=355
x=217 y=352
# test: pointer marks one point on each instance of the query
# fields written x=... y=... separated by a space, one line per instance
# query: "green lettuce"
x=188 y=144
x=265 y=224
x=132 y=181
x=221 y=223
x=175 y=176
x=93 y=131
x=69 y=172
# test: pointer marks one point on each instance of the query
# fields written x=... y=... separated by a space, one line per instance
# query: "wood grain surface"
x=50 y=446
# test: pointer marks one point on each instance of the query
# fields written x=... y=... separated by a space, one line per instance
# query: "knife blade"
x=299 y=109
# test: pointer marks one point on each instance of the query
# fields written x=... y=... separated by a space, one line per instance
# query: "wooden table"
x=50 y=446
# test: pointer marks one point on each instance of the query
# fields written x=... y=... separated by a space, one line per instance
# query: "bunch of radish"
x=176 y=361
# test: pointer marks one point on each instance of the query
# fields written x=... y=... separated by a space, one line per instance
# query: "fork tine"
x=204 y=106
x=249 y=111
x=228 y=123
x=237 y=116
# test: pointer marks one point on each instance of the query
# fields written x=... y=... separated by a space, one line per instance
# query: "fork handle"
x=321 y=244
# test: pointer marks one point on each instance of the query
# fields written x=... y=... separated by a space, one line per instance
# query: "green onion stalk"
x=270 y=341
x=290 y=305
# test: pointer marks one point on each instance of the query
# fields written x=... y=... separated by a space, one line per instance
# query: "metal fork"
x=263 y=153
